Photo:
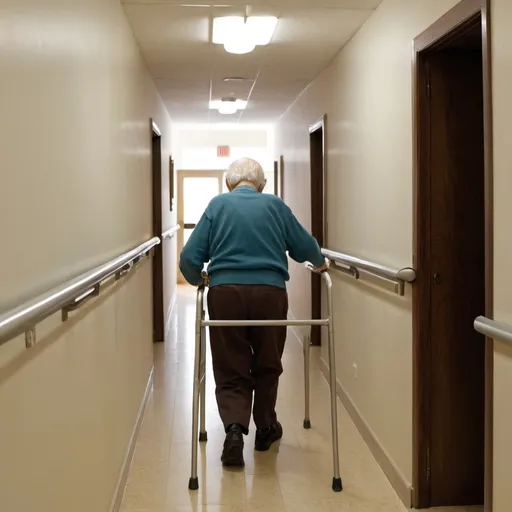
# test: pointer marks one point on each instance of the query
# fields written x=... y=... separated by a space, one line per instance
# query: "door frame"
x=157 y=222
x=181 y=175
x=322 y=124
x=316 y=282
x=279 y=177
x=276 y=178
x=441 y=31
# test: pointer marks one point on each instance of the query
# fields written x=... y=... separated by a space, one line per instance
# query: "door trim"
x=155 y=128
x=438 y=33
x=281 y=176
x=322 y=124
x=159 y=319
x=181 y=174
x=276 y=178
x=316 y=282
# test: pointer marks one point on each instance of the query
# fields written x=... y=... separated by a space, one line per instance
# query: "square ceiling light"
x=241 y=35
x=228 y=106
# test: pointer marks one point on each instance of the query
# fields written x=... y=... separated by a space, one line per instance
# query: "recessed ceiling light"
x=238 y=79
x=228 y=106
x=241 y=35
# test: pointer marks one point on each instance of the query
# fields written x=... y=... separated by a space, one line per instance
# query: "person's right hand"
x=324 y=267
x=206 y=278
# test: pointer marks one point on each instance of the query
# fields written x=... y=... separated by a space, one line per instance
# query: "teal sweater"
x=245 y=236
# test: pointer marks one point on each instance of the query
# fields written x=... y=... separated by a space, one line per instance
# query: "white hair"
x=245 y=169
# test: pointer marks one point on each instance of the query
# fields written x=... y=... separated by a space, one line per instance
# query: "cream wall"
x=76 y=99
x=502 y=112
x=366 y=94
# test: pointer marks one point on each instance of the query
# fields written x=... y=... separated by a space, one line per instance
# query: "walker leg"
x=337 y=485
x=203 y=436
x=193 y=483
x=307 y=350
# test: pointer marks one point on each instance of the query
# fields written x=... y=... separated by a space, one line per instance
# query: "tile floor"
x=293 y=477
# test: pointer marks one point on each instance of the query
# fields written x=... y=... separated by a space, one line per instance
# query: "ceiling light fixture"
x=241 y=34
x=228 y=106
x=238 y=79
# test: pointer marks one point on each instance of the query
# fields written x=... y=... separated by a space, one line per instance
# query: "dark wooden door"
x=316 y=139
x=158 y=275
x=457 y=276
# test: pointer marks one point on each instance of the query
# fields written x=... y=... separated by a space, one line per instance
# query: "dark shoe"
x=233 y=453
x=266 y=437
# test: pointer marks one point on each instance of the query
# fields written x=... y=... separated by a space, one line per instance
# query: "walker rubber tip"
x=203 y=437
x=193 y=484
x=307 y=424
x=337 y=486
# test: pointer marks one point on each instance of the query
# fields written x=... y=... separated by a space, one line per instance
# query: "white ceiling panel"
x=326 y=26
x=237 y=67
x=232 y=90
x=162 y=25
x=183 y=90
x=277 y=76
x=275 y=96
x=312 y=4
x=175 y=40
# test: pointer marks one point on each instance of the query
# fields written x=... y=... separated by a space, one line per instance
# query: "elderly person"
x=245 y=236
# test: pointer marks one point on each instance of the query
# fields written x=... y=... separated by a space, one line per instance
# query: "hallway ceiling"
x=175 y=40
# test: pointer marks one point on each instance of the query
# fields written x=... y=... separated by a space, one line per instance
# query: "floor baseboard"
x=123 y=477
x=394 y=475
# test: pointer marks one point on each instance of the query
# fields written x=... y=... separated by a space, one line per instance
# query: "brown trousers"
x=247 y=360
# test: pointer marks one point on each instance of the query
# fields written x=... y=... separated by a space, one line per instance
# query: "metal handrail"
x=66 y=297
x=353 y=266
x=170 y=232
x=492 y=329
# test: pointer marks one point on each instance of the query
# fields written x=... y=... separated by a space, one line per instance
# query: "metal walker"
x=199 y=400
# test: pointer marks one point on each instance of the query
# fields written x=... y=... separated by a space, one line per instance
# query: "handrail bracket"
x=353 y=266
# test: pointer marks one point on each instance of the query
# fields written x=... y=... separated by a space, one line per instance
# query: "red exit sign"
x=222 y=151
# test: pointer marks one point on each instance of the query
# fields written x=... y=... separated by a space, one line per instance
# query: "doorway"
x=317 y=162
x=453 y=258
x=279 y=177
x=158 y=274
x=195 y=190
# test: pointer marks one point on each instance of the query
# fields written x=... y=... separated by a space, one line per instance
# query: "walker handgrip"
x=314 y=269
